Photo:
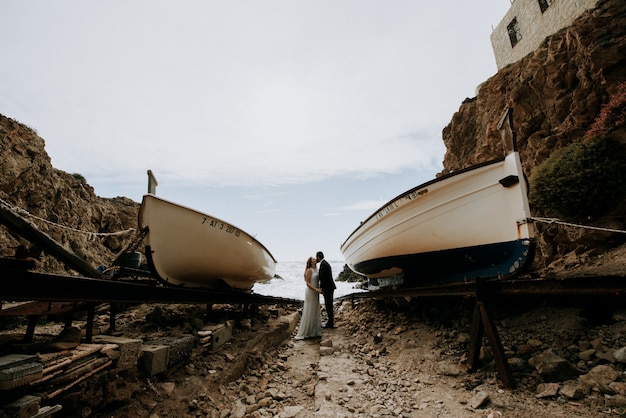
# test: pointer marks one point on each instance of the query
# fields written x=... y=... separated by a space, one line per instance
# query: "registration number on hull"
x=221 y=226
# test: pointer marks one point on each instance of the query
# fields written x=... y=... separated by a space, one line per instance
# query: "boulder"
x=553 y=368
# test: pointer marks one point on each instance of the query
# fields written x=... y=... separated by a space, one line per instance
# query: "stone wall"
x=533 y=25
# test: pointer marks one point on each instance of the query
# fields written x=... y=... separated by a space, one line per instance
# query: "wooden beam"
x=16 y=223
x=476 y=338
x=483 y=324
x=91 y=311
x=28 y=285
x=504 y=370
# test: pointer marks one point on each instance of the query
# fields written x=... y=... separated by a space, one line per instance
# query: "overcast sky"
x=293 y=120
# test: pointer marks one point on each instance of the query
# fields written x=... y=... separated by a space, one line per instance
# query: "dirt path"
x=362 y=380
x=372 y=369
x=300 y=377
x=340 y=377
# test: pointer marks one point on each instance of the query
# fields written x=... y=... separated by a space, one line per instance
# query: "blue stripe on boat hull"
x=456 y=265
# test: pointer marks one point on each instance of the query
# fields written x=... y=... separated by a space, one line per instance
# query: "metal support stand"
x=482 y=323
x=69 y=318
x=112 y=316
x=91 y=311
x=30 y=328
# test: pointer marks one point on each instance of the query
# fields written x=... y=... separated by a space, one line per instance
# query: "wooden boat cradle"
x=64 y=294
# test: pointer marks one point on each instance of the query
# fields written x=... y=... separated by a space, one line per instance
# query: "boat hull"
x=188 y=248
x=462 y=226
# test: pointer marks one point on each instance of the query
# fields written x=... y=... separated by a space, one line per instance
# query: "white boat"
x=473 y=223
x=192 y=249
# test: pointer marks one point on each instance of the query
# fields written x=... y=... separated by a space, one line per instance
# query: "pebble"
x=479 y=399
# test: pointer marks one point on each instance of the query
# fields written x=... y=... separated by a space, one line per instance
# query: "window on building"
x=514 y=32
x=544 y=4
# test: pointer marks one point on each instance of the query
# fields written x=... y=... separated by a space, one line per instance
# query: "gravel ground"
x=394 y=360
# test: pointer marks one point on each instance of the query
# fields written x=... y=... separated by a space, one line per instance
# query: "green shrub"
x=80 y=178
x=584 y=179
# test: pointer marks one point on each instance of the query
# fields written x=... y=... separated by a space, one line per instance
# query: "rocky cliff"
x=556 y=94
x=74 y=214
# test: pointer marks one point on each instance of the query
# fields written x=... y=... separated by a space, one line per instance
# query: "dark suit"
x=328 y=288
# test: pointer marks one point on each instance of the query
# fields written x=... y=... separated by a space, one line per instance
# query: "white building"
x=527 y=24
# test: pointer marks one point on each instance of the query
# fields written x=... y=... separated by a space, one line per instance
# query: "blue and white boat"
x=469 y=224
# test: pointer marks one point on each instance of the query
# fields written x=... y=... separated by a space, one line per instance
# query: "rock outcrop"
x=72 y=212
x=556 y=93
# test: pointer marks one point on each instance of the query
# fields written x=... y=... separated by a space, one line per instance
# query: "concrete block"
x=13 y=360
x=129 y=348
x=155 y=358
x=24 y=407
x=17 y=370
x=47 y=411
x=220 y=334
x=180 y=348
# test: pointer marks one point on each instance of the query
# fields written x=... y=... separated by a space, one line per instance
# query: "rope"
x=559 y=222
x=132 y=246
x=91 y=235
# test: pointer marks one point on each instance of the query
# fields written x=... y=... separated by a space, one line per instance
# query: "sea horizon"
x=289 y=281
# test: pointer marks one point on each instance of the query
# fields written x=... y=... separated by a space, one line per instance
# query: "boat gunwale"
x=421 y=186
x=205 y=214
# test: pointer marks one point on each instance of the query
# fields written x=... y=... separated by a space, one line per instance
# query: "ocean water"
x=291 y=282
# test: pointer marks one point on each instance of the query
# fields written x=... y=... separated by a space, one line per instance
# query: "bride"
x=311 y=321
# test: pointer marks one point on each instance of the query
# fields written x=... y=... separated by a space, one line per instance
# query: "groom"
x=328 y=287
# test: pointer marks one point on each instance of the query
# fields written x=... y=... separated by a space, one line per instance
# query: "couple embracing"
x=318 y=281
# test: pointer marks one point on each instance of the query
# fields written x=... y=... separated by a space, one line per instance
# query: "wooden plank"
x=27 y=285
x=90 y=371
x=504 y=370
x=484 y=317
x=91 y=309
x=41 y=308
x=30 y=328
x=476 y=338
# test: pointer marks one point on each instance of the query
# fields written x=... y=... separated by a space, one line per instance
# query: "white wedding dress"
x=311 y=321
